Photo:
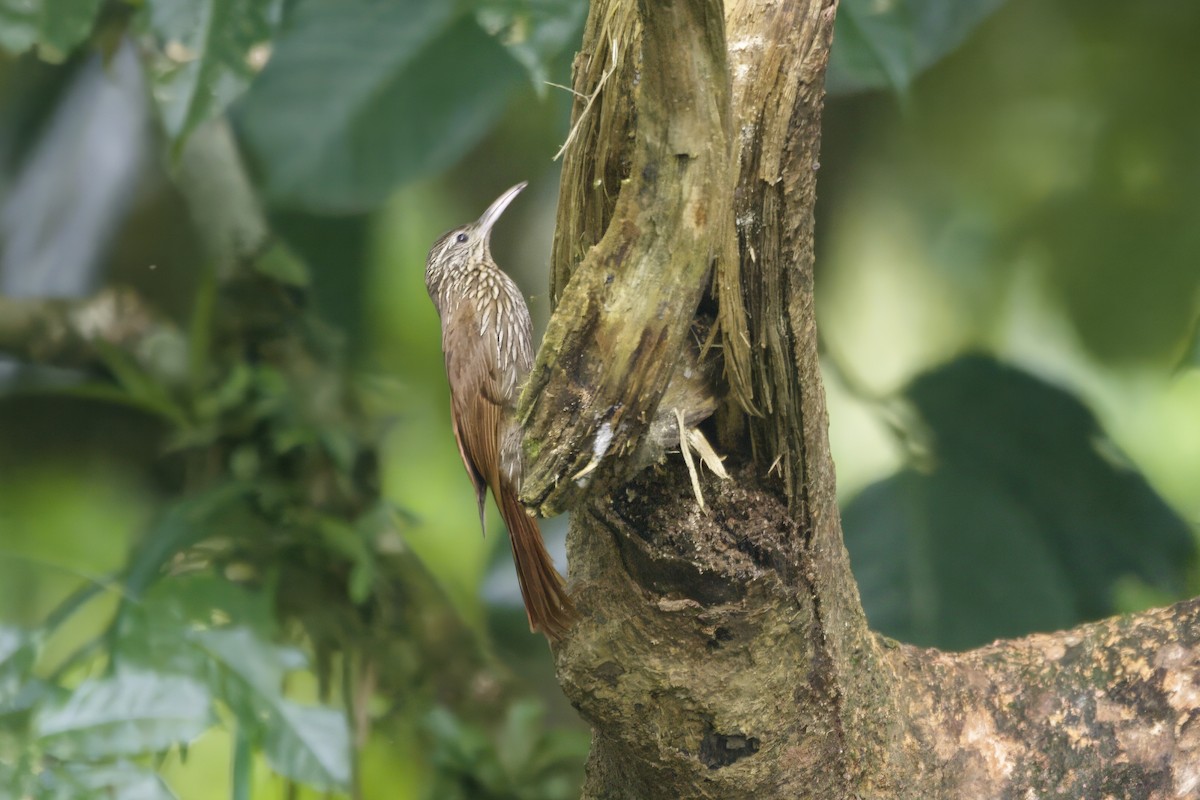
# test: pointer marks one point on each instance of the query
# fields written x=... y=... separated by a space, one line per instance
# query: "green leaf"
x=64 y=24
x=310 y=745
x=13 y=644
x=18 y=25
x=1022 y=525
x=281 y=264
x=519 y=735
x=944 y=557
x=18 y=653
x=17 y=779
x=142 y=389
x=88 y=782
x=361 y=96
x=209 y=601
x=525 y=759
x=233 y=390
x=200 y=330
x=306 y=744
x=459 y=749
x=536 y=32
x=107 y=393
x=206 y=54
x=56 y=26
x=353 y=543
x=258 y=664
x=184 y=524
x=130 y=713
x=245 y=671
x=873 y=40
x=180 y=527
x=1190 y=357
x=887 y=43
x=157 y=633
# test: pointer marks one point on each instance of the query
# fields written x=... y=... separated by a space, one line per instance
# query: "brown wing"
x=476 y=479
x=486 y=360
x=470 y=369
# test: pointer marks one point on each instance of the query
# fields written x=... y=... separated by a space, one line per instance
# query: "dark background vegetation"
x=205 y=594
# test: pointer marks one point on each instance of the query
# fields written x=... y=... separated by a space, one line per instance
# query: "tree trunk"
x=725 y=654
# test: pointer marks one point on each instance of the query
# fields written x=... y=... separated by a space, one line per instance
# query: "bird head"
x=467 y=246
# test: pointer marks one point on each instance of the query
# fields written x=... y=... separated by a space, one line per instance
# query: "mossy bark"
x=725 y=654
x=664 y=202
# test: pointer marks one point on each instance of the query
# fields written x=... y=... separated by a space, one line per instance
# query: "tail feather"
x=547 y=603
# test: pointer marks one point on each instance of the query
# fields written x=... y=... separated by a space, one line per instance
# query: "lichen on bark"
x=726 y=654
x=624 y=309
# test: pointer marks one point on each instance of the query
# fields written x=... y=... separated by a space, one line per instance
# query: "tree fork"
x=726 y=655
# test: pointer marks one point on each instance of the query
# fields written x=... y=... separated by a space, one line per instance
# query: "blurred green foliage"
x=246 y=564
x=1006 y=473
x=428 y=94
x=172 y=657
x=55 y=27
x=521 y=761
x=1030 y=198
x=886 y=45
x=207 y=56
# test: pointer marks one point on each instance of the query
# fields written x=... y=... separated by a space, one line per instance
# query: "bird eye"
x=462 y=237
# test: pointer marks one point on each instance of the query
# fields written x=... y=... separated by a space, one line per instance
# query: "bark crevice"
x=626 y=302
x=725 y=654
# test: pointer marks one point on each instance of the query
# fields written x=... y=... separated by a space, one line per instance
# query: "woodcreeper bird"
x=487 y=340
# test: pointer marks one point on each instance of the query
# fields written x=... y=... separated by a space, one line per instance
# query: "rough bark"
x=624 y=315
x=726 y=655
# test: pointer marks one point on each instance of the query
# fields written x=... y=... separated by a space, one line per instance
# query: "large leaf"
x=172 y=630
x=1023 y=523
x=524 y=758
x=181 y=526
x=87 y=782
x=129 y=713
x=952 y=560
x=360 y=96
x=536 y=32
x=56 y=26
x=18 y=653
x=1190 y=358
x=159 y=632
x=887 y=44
x=307 y=744
x=258 y=665
x=206 y=55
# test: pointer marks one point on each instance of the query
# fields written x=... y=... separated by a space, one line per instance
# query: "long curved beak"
x=497 y=207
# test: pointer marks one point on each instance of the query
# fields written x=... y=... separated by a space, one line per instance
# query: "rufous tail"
x=544 y=591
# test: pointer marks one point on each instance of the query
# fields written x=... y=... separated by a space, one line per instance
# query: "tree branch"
x=1110 y=709
x=704 y=666
x=224 y=208
x=778 y=53
x=623 y=317
x=76 y=333
x=726 y=655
